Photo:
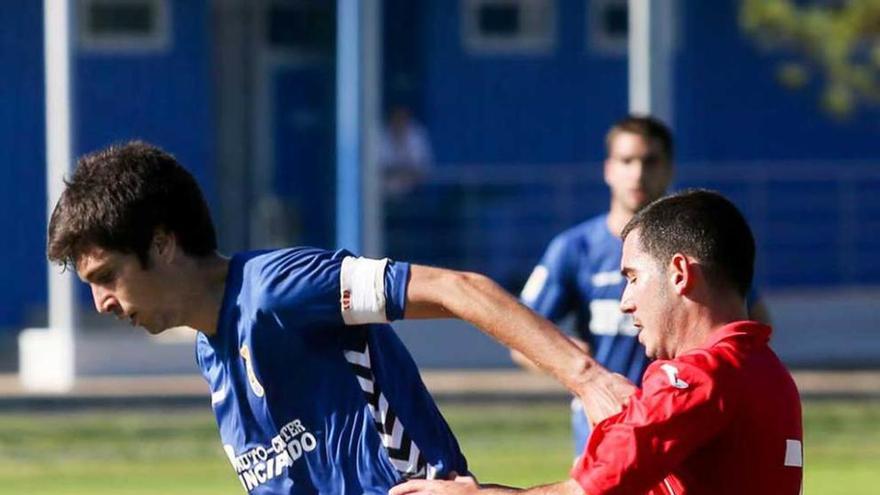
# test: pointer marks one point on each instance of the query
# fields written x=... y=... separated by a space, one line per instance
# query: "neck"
x=205 y=291
x=618 y=217
x=700 y=320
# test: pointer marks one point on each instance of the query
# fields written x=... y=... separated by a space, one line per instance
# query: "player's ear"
x=163 y=245
x=681 y=273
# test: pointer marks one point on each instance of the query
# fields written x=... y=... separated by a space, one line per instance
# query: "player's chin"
x=638 y=204
x=153 y=329
x=644 y=199
x=650 y=350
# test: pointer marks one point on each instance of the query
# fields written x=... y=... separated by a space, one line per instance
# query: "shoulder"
x=576 y=239
x=204 y=350
x=699 y=375
x=694 y=371
x=269 y=263
x=269 y=277
x=586 y=233
x=266 y=268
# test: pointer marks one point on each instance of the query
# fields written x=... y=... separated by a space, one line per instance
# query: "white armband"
x=362 y=290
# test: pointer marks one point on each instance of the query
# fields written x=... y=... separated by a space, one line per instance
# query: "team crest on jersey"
x=256 y=387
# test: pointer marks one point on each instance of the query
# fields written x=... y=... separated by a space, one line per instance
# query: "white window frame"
x=158 y=40
x=538 y=36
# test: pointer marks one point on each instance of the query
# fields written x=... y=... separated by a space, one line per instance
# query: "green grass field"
x=126 y=453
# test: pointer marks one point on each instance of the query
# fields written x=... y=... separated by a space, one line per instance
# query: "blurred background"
x=283 y=110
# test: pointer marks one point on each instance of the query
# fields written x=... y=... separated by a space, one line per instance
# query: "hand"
x=605 y=396
x=463 y=485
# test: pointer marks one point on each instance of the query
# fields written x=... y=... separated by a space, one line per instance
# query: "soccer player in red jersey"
x=717 y=413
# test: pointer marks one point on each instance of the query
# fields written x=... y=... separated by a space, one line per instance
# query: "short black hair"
x=119 y=196
x=646 y=126
x=702 y=224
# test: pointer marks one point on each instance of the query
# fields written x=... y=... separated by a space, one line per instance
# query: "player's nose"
x=103 y=299
x=637 y=169
x=626 y=303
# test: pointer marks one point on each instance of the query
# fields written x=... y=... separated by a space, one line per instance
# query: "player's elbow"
x=442 y=288
x=468 y=294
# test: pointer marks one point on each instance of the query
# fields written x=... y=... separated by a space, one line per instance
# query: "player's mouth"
x=639 y=329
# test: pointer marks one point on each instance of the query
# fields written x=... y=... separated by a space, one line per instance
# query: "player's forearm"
x=441 y=487
x=434 y=292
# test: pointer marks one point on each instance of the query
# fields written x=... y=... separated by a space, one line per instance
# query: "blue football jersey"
x=580 y=275
x=312 y=392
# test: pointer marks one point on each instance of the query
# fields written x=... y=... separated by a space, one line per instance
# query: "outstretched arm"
x=469 y=487
x=440 y=293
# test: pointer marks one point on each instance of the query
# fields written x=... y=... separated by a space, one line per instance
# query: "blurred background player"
x=405 y=155
x=579 y=273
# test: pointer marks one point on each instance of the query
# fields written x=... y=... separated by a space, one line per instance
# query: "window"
x=301 y=29
x=509 y=26
x=123 y=25
x=608 y=26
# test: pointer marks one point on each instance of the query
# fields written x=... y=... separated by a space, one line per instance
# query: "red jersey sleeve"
x=679 y=407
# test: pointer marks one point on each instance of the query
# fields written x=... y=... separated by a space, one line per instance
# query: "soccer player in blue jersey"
x=579 y=273
x=312 y=390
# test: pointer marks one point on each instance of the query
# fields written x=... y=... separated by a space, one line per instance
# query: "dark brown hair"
x=119 y=196
x=648 y=127
x=702 y=224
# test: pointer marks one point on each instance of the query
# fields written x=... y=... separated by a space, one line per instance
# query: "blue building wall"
x=555 y=107
x=730 y=106
x=22 y=171
x=163 y=97
x=542 y=108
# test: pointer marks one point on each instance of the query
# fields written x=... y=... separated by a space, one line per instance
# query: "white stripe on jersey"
x=794 y=453
x=534 y=285
x=606 y=319
x=220 y=395
x=362 y=290
x=603 y=279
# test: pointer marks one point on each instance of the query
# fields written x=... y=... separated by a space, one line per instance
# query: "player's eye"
x=105 y=277
x=653 y=161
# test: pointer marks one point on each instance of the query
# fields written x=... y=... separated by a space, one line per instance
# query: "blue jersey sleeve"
x=396 y=281
x=549 y=290
x=314 y=286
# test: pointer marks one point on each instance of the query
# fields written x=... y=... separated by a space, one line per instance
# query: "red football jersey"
x=724 y=418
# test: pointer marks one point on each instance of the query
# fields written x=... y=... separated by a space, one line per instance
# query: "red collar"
x=753 y=330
